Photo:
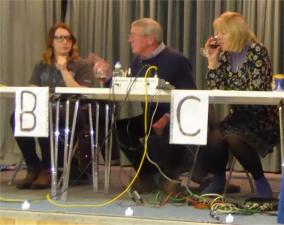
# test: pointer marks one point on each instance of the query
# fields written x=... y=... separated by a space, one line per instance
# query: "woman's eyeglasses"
x=61 y=38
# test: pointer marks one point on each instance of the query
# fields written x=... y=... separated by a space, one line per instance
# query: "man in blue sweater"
x=146 y=41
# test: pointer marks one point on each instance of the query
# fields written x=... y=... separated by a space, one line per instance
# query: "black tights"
x=247 y=156
x=27 y=146
x=214 y=156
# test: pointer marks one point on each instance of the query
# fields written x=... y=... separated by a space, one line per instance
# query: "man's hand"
x=160 y=125
x=102 y=69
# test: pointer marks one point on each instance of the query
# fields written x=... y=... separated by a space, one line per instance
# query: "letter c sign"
x=189 y=117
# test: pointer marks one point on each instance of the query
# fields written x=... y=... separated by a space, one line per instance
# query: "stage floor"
x=82 y=204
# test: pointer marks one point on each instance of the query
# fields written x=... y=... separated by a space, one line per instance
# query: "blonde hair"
x=237 y=27
x=150 y=26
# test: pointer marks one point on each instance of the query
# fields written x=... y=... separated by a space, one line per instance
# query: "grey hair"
x=150 y=26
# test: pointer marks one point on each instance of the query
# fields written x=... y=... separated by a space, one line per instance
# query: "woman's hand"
x=68 y=76
x=212 y=51
x=61 y=63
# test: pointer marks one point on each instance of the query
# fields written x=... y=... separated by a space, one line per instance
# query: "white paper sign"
x=189 y=117
x=31 y=114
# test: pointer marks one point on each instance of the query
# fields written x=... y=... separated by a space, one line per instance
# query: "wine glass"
x=213 y=43
x=101 y=76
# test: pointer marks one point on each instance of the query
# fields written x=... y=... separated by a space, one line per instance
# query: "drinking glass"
x=101 y=76
x=214 y=43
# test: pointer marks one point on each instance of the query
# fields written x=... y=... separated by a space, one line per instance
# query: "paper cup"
x=278 y=82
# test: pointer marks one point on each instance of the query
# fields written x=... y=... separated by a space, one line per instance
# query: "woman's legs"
x=44 y=144
x=215 y=158
x=27 y=147
x=249 y=159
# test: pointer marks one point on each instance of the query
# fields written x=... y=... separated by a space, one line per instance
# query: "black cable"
x=215 y=216
x=138 y=74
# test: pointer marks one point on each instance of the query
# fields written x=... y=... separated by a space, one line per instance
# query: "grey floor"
x=82 y=200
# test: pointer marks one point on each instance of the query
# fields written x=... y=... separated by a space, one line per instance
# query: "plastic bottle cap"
x=117 y=65
x=26 y=205
x=128 y=212
x=229 y=218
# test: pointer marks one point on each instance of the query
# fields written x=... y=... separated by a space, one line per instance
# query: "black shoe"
x=169 y=187
x=215 y=187
x=31 y=176
x=145 y=184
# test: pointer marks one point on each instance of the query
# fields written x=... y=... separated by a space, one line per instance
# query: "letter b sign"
x=31 y=114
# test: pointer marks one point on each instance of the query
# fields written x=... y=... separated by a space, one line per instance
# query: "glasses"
x=61 y=38
x=134 y=35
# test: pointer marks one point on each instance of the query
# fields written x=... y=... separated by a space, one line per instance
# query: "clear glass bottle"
x=118 y=71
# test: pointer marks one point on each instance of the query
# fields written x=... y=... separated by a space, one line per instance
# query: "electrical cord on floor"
x=3 y=199
x=153 y=162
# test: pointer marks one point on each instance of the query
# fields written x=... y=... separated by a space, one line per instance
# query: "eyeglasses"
x=61 y=38
x=134 y=35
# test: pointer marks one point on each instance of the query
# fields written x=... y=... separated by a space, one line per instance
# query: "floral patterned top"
x=257 y=124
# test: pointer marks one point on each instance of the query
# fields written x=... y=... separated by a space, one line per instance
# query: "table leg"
x=280 y=218
x=107 y=157
x=54 y=147
x=68 y=149
x=94 y=145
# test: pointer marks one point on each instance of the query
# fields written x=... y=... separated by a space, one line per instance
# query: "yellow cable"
x=2 y=199
x=53 y=202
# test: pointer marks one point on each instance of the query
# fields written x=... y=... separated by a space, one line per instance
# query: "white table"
x=215 y=97
x=7 y=92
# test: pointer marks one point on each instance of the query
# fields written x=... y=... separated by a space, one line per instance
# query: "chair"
x=232 y=166
x=18 y=167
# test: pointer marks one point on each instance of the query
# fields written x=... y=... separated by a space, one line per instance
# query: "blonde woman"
x=237 y=61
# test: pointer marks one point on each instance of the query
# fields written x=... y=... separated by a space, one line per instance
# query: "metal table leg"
x=107 y=157
x=68 y=148
x=108 y=144
x=94 y=145
x=54 y=147
x=280 y=218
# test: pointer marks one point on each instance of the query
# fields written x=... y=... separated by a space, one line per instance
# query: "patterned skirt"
x=258 y=125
